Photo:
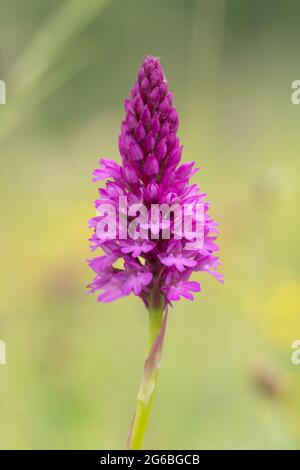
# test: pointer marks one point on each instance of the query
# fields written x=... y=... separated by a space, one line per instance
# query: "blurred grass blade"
x=27 y=82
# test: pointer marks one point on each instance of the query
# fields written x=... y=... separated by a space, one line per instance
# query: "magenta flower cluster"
x=150 y=173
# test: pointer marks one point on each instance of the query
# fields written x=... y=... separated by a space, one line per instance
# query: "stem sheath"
x=157 y=325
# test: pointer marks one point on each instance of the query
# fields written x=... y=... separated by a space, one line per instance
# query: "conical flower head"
x=159 y=253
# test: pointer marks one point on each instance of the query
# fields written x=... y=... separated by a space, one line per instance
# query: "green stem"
x=157 y=323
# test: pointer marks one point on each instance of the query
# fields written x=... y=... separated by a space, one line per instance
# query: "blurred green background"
x=73 y=366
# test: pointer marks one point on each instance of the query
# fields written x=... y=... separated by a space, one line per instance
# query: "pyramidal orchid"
x=152 y=225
